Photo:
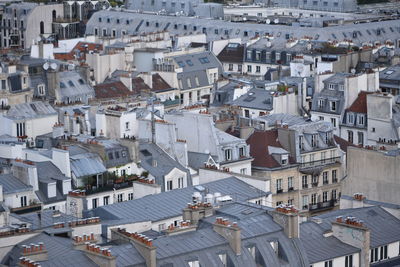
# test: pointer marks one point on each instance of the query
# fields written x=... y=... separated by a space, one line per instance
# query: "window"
x=228 y=154
x=290 y=183
x=258 y=55
x=239 y=68
x=384 y=253
x=314 y=140
x=325 y=178
x=314 y=180
x=279 y=186
x=334 y=194
x=21 y=129
x=325 y=196
x=161 y=227
x=116 y=154
x=321 y=118
x=230 y=68
x=349 y=261
x=95 y=203
x=313 y=199
x=334 y=176
x=304 y=181
x=350 y=136
x=360 y=136
x=361 y=119
x=320 y=103
x=127 y=126
x=242 y=151
x=249 y=68
x=328 y=263
x=333 y=121
x=169 y=185
x=243 y=171
x=100 y=19
x=258 y=69
x=204 y=60
x=350 y=118
x=130 y=196
x=180 y=182
x=3 y=84
x=194 y=263
x=301 y=143
x=106 y=200
x=120 y=197
x=333 y=105
x=305 y=202
x=110 y=156
x=222 y=257
x=23 y=201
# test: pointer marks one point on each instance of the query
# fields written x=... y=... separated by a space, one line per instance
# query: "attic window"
x=181 y=64
x=314 y=140
x=62 y=85
x=331 y=86
x=189 y=62
x=81 y=81
x=204 y=60
x=70 y=83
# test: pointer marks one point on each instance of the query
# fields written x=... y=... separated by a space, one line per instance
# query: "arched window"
x=41 y=27
x=54 y=14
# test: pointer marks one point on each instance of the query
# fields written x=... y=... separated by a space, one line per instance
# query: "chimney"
x=143 y=244
x=231 y=232
x=100 y=256
x=53 y=78
x=196 y=211
x=35 y=252
x=76 y=203
x=287 y=217
x=351 y=231
x=26 y=172
x=80 y=242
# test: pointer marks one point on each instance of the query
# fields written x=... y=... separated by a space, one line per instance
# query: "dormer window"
x=320 y=103
x=284 y=159
x=361 y=119
x=333 y=105
x=350 y=118
x=242 y=151
x=341 y=87
x=41 y=90
x=314 y=140
x=301 y=143
x=228 y=154
x=331 y=86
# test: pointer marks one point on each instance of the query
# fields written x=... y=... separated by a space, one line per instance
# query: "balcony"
x=314 y=184
x=318 y=163
x=320 y=206
x=279 y=191
x=290 y=189
x=27 y=209
x=305 y=186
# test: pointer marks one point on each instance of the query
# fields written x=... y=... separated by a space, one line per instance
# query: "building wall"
x=340 y=261
x=173 y=176
x=13 y=200
x=113 y=197
x=374 y=174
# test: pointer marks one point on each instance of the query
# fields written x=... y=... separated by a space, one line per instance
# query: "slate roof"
x=72 y=85
x=46 y=220
x=384 y=227
x=86 y=164
x=260 y=99
x=360 y=104
x=197 y=160
x=49 y=173
x=366 y=32
x=165 y=164
x=170 y=203
x=225 y=94
x=390 y=77
x=31 y=110
x=271 y=120
x=344 y=144
x=320 y=248
x=111 y=90
x=60 y=252
x=12 y=184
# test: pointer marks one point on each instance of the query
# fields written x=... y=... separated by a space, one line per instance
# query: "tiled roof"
x=159 y=84
x=81 y=47
x=232 y=53
x=138 y=85
x=259 y=142
x=111 y=90
x=342 y=143
x=360 y=104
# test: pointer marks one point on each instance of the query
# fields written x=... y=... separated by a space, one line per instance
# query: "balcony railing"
x=322 y=205
x=316 y=163
x=279 y=191
x=290 y=188
x=305 y=186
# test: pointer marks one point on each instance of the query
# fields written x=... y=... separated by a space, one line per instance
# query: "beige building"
x=14 y=86
x=303 y=164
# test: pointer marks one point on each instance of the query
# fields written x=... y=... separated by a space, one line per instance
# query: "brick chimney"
x=100 y=256
x=143 y=244
x=231 y=232
x=35 y=252
x=351 y=231
x=196 y=211
x=287 y=217
x=76 y=203
x=80 y=242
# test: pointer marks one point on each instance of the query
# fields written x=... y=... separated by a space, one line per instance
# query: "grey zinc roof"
x=74 y=87
x=284 y=118
x=170 y=204
x=11 y=184
x=197 y=160
x=46 y=219
x=86 y=164
x=194 y=62
x=31 y=110
x=165 y=164
x=384 y=227
x=255 y=99
x=320 y=248
x=60 y=252
x=227 y=29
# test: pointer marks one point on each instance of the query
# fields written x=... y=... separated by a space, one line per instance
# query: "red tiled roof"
x=138 y=85
x=82 y=47
x=344 y=144
x=259 y=142
x=360 y=104
x=111 y=90
x=159 y=84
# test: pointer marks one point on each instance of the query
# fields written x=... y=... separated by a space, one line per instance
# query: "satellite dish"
x=46 y=66
x=268 y=21
x=276 y=21
x=53 y=66
x=71 y=67
x=353 y=71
